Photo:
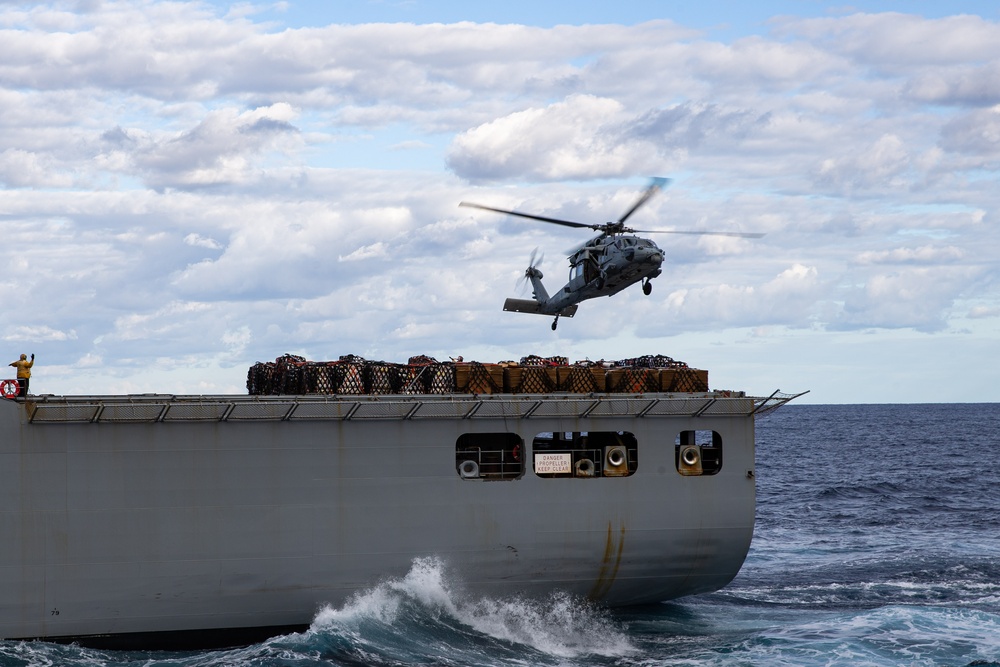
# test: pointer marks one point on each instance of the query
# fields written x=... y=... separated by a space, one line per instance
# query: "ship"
x=187 y=521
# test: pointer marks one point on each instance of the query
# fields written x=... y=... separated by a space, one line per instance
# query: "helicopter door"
x=587 y=270
x=590 y=270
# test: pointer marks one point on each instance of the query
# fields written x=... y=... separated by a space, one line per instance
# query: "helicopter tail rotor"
x=536 y=258
x=531 y=272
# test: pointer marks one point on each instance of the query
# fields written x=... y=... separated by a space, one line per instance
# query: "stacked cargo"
x=294 y=375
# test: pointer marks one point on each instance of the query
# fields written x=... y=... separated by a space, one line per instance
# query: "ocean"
x=877 y=543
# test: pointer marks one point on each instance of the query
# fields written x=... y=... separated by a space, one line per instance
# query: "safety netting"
x=292 y=374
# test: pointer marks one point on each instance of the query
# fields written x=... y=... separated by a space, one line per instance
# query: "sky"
x=187 y=188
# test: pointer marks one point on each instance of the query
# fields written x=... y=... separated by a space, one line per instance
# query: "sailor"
x=23 y=367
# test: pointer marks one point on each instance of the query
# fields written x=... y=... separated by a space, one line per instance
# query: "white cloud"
x=221 y=149
x=980 y=312
x=788 y=299
x=923 y=255
x=878 y=165
x=186 y=191
x=200 y=241
x=578 y=138
x=156 y=324
x=373 y=251
x=901 y=40
x=974 y=133
x=20 y=333
x=920 y=298
x=21 y=168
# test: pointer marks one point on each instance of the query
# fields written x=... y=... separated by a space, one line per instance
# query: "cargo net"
x=530 y=380
x=765 y=406
x=534 y=360
x=291 y=374
x=441 y=380
x=477 y=379
x=651 y=361
x=633 y=380
x=582 y=379
x=689 y=380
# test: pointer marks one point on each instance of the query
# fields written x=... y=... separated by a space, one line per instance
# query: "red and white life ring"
x=10 y=388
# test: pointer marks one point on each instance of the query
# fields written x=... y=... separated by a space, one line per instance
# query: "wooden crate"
x=633 y=380
x=581 y=379
x=690 y=380
x=476 y=378
x=667 y=376
x=530 y=379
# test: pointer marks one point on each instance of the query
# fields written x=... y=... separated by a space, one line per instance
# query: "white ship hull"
x=128 y=520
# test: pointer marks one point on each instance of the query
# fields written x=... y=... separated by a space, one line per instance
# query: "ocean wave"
x=709 y=634
x=422 y=617
x=891 y=635
x=417 y=619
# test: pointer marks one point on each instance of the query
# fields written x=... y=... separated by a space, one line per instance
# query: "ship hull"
x=120 y=522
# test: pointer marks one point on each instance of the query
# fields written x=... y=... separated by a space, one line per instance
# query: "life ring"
x=10 y=388
x=516 y=453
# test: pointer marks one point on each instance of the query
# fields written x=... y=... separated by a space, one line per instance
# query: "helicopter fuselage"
x=603 y=267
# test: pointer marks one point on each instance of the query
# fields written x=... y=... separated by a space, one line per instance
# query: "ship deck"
x=146 y=408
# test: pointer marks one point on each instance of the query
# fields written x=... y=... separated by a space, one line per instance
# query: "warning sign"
x=551 y=464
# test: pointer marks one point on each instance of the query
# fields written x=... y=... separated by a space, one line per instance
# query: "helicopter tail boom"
x=535 y=307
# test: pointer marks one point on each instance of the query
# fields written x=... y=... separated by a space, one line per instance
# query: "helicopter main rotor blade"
x=654 y=187
x=542 y=218
x=741 y=235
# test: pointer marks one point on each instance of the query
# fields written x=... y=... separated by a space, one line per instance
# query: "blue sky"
x=720 y=19
x=187 y=188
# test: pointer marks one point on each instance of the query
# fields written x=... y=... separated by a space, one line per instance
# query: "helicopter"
x=603 y=266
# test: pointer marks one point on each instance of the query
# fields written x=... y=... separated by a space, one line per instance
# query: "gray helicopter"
x=603 y=266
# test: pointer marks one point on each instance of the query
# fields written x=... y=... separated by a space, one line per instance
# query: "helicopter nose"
x=652 y=257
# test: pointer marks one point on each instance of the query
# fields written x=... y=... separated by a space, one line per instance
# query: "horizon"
x=189 y=188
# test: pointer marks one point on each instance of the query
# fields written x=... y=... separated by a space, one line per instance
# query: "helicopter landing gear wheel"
x=555 y=322
x=647 y=287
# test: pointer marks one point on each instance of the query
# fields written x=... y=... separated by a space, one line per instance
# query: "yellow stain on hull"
x=610 y=562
